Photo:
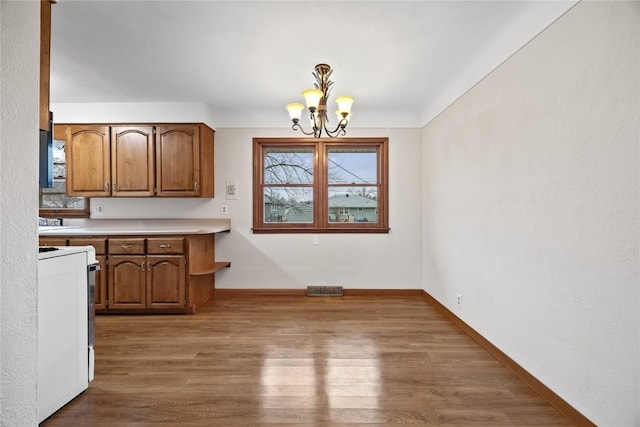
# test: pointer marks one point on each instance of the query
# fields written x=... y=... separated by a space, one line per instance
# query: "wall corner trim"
x=557 y=402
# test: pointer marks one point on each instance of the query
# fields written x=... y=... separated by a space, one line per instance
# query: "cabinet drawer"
x=99 y=244
x=126 y=246
x=163 y=245
x=53 y=241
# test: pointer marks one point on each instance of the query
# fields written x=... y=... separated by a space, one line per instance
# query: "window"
x=54 y=202
x=320 y=186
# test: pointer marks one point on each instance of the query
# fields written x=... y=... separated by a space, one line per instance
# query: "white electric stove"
x=65 y=325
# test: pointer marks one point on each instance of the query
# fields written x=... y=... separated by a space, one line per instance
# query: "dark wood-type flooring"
x=299 y=361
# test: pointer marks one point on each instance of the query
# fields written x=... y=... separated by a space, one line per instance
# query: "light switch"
x=232 y=189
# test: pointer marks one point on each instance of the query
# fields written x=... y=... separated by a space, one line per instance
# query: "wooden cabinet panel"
x=178 y=160
x=163 y=245
x=52 y=241
x=45 y=62
x=132 y=161
x=126 y=246
x=127 y=282
x=87 y=151
x=166 y=281
x=101 y=283
x=99 y=244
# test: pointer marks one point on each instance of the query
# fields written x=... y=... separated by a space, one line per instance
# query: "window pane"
x=353 y=204
x=288 y=166
x=55 y=198
x=288 y=204
x=353 y=165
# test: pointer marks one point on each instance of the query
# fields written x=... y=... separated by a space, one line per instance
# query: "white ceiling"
x=402 y=61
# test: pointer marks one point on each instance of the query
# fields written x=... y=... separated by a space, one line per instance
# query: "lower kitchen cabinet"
x=151 y=274
x=153 y=278
x=99 y=245
x=154 y=281
x=101 y=283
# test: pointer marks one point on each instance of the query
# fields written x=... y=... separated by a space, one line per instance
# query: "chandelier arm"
x=339 y=130
x=297 y=126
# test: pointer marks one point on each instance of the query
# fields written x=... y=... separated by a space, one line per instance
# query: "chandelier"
x=316 y=100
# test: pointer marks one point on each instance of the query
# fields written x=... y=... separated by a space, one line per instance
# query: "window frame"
x=320 y=186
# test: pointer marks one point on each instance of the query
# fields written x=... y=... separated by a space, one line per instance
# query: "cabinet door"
x=88 y=160
x=178 y=161
x=166 y=281
x=132 y=161
x=127 y=282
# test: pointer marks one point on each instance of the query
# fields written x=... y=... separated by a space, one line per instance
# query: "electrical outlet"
x=459 y=300
x=225 y=210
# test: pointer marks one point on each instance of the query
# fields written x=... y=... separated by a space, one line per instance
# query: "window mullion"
x=320 y=185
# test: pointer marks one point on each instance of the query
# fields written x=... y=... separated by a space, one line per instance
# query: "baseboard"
x=303 y=292
x=536 y=385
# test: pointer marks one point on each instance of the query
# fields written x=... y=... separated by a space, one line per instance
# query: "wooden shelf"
x=216 y=267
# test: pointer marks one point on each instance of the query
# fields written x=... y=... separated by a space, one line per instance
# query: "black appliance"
x=46 y=155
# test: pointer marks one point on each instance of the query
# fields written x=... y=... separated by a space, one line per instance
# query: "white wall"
x=530 y=199
x=383 y=261
x=19 y=94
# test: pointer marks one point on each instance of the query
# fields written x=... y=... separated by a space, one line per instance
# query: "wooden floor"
x=298 y=361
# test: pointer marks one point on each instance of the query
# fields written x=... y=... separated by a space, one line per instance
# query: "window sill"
x=309 y=230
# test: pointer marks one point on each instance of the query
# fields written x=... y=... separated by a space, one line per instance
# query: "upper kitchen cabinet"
x=132 y=161
x=184 y=161
x=45 y=61
x=88 y=157
x=139 y=160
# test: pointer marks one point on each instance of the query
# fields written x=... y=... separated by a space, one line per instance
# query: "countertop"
x=97 y=227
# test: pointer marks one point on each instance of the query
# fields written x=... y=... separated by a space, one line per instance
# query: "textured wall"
x=19 y=59
x=530 y=198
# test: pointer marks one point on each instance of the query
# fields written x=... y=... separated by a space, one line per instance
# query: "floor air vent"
x=324 y=291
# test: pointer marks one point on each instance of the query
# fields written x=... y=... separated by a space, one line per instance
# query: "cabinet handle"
x=115 y=186
x=106 y=186
x=125 y=246
x=142 y=265
x=195 y=185
x=165 y=246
